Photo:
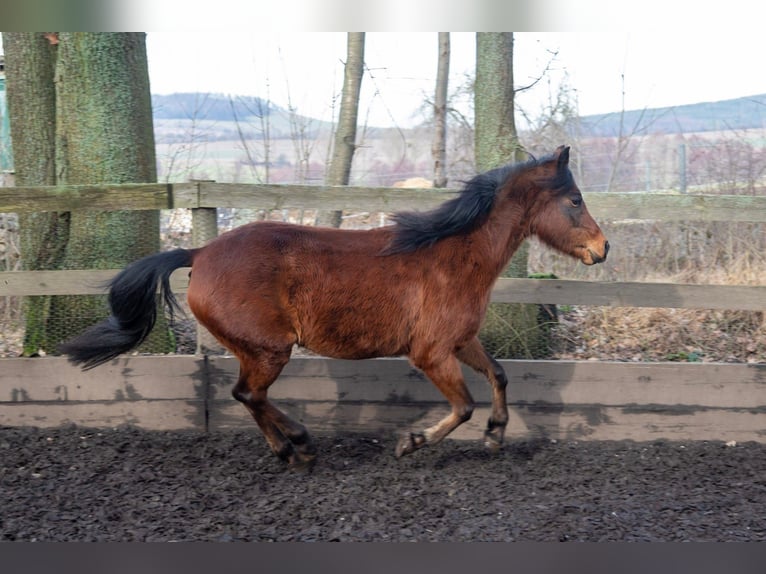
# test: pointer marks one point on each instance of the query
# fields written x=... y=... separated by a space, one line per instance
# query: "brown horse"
x=419 y=288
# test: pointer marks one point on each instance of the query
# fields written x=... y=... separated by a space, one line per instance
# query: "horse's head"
x=558 y=215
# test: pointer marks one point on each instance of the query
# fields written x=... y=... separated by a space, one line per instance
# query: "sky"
x=603 y=70
x=610 y=54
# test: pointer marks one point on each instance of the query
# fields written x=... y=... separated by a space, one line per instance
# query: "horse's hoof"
x=409 y=443
x=493 y=436
x=301 y=463
x=492 y=440
x=492 y=444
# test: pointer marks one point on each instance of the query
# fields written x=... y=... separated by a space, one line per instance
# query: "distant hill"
x=220 y=107
x=740 y=113
x=736 y=114
x=224 y=117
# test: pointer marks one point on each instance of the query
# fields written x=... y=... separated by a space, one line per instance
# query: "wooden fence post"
x=204 y=229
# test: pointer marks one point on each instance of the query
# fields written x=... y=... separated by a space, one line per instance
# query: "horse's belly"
x=360 y=348
x=356 y=339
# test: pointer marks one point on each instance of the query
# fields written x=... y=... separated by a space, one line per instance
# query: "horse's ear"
x=563 y=156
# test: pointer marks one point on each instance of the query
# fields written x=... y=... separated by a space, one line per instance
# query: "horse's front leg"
x=288 y=439
x=448 y=378
x=475 y=356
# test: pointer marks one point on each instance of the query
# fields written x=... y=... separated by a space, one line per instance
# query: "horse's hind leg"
x=448 y=378
x=289 y=439
x=475 y=356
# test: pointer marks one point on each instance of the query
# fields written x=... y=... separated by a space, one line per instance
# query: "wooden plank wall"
x=580 y=400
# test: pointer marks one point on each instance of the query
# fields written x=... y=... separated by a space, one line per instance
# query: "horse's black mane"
x=461 y=214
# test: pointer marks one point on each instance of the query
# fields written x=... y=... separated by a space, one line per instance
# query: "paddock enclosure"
x=153 y=448
x=583 y=400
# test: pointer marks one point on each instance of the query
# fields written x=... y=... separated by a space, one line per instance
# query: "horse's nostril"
x=606 y=248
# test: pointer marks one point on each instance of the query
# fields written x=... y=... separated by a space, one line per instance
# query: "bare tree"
x=344 y=145
x=439 y=147
x=624 y=138
x=726 y=163
x=263 y=113
x=183 y=159
x=555 y=121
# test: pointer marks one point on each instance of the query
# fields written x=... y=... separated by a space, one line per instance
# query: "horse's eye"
x=576 y=200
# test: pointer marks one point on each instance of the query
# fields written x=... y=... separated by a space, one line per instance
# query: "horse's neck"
x=502 y=234
x=483 y=254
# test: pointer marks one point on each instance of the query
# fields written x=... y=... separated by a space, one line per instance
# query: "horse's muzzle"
x=598 y=258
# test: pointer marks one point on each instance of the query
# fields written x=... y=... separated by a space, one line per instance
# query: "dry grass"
x=735 y=257
x=659 y=334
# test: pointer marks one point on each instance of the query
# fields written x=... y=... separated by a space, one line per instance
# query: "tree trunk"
x=510 y=330
x=30 y=60
x=439 y=147
x=94 y=97
x=344 y=145
x=496 y=141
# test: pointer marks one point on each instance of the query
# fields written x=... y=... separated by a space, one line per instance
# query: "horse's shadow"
x=476 y=454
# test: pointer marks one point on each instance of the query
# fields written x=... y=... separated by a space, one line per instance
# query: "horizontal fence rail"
x=606 y=205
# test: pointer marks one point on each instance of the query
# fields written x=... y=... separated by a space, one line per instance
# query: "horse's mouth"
x=590 y=257
x=595 y=258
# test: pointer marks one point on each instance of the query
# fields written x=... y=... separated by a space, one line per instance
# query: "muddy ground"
x=77 y=484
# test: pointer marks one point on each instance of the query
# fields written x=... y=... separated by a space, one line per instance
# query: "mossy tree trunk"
x=510 y=330
x=103 y=133
x=30 y=65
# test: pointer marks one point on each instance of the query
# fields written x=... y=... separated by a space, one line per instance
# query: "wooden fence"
x=558 y=399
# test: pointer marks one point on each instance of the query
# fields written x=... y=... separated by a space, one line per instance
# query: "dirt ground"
x=77 y=484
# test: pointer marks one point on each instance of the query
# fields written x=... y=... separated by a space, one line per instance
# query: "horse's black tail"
x=133 y=303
